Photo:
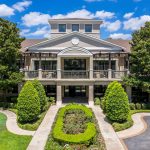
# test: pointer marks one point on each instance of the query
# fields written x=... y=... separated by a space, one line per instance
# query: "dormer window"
x=62 y=27
x=75 y=27
x=88 y=27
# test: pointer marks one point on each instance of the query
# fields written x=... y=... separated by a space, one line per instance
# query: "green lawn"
x=10 y=141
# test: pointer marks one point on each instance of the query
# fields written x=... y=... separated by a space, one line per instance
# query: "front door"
x=72 y=91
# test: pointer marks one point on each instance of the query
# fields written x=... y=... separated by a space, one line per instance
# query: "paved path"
x=111 y=139
x=41 y=135
x=142 y=141
x=138 y=127
x=12 y=125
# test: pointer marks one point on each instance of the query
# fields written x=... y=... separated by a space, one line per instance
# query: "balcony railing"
x=31 y=74
x=100 y=74
x=74 y=74
x=47 y=74
x=77 y=74
x=118 y=74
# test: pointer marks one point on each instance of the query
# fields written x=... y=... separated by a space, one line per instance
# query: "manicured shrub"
x=138 y=106
x=41 y=92
x=103 y=105
x=52 y=99
x=28 y=103
x=97 y=101
x=60 y=135
x=117 y=104
x=132 y=106
x=148 y=106
x=143 y=106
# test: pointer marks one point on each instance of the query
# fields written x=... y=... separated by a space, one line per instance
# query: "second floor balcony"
x=75 y=74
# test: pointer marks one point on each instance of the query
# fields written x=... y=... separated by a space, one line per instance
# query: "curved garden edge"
x=12 y=125
x=139 y=126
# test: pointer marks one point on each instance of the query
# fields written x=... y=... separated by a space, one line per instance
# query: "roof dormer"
x=63 y=26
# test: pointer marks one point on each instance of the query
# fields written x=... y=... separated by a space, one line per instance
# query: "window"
x=75 y=27
x=104 y=65
x=62 y=27
x=46 y=65
x=88 y=27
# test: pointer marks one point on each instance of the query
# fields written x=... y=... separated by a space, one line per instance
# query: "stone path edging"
x=11 y=124
x=40 y=137
x=138 y=127
x=111 y=139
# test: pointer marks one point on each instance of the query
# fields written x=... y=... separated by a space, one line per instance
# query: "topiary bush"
x=138 y=106
x=97 y=101
x=132 y=106
x=28 y=103
x=103 y=102
x=143 y=106
x=52 y=99
x=41 y=92
x=117 y=104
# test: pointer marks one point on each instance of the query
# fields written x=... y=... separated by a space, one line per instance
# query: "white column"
x=91 y=67
x=59 y=95
x=40 y=73
x=109 y=73
x=25 y=73
x=20 y=85
x=129 y=92
x=91 y=95
x=59 y=67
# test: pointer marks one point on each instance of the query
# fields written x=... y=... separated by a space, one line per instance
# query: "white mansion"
x=75 y=64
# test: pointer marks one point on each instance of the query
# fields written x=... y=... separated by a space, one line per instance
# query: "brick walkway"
x=41 y=135
x=12 y=125
x=111 y=139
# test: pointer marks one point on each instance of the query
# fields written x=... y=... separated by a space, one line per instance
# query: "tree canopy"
x=10 y=43
x=140 y=59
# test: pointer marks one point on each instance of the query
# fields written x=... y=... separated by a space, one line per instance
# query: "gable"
x=84 y=41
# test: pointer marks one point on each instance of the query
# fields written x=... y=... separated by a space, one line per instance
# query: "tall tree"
x=10 y=43
x=140 y=59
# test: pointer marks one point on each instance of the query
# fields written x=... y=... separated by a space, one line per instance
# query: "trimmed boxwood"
x=58 y=133
x=104 y=99
x=41 y=92
x=28 y=103
x=117 y=104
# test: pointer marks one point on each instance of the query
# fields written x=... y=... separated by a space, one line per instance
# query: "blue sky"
x=120 y=17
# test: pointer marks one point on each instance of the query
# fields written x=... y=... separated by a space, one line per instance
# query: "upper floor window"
x=88 y=27
x=75 y=27
x=62 y=27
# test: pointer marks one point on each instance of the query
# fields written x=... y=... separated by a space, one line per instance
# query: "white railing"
x=48 y=74
x=77 y=74
x=118 y=74
x=100 y=74
x=31 y=74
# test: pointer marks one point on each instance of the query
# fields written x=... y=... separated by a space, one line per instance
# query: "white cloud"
x=35 y=18
x=104 y=14
x=128 y=15
x=83 y=13
x=120 y=36
x=24 y=32
x=112 y=26
x=136 y=23
x=43 y=32
x=6 y=11
x=21 y=6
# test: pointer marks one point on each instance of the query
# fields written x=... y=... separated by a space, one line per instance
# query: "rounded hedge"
x=28 y=103
x=41 y=92
x=117 y=104
x=58 y=133
x=103 y=103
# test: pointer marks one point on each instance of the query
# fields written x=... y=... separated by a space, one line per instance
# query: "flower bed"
x=75 y=127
